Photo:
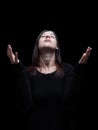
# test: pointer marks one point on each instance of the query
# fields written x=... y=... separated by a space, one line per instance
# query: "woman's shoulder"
x=68 y=65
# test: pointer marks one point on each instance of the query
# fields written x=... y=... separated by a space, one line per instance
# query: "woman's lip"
x=47 y=40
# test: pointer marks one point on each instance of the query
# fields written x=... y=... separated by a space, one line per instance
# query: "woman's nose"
x=47 y=36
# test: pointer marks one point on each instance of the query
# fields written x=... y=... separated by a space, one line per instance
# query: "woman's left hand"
x=85 y=55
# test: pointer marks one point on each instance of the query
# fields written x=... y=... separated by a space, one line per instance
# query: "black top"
x=48 y=102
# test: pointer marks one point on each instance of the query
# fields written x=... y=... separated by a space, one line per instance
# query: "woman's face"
x=47 y=40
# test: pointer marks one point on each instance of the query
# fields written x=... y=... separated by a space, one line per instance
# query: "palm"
x=13 y=57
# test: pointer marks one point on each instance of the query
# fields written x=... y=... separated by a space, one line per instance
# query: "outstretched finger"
x=88 y=51
x=87 y=54
x=82 y=60
x=16 y=57
x=9 y=50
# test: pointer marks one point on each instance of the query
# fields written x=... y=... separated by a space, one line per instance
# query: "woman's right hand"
x=12 y=56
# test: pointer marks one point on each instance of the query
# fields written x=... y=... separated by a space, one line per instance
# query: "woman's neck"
x=47 y=60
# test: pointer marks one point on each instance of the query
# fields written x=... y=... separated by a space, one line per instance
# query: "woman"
x=47 y=90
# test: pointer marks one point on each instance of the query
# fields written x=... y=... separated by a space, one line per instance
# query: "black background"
x=76 y=27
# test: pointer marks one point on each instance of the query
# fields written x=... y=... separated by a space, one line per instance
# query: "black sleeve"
x=72 y=85
x=23 y=88
x=80 y=69
x=68 y=74
x=77 y=79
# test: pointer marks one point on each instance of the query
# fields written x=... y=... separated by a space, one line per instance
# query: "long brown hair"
x=36 y=55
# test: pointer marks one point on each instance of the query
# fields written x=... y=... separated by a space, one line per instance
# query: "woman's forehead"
x=48 y=32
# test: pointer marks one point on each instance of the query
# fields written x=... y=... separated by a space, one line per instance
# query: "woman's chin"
x=47 y=48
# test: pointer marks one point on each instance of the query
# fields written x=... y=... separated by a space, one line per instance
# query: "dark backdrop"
x=76 y=29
